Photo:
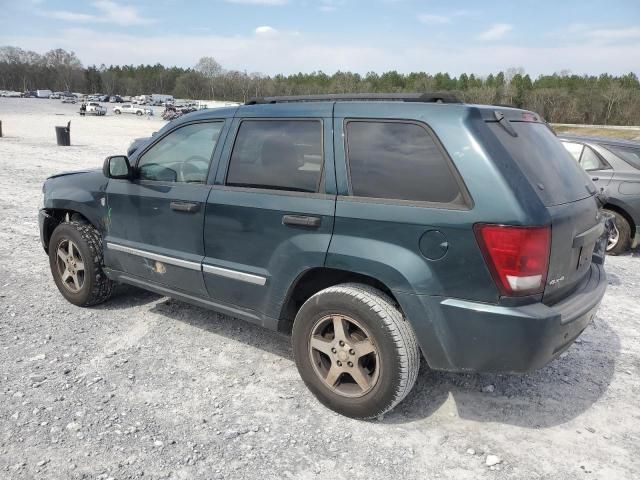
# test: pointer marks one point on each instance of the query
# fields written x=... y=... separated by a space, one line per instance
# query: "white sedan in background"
x=135 y=109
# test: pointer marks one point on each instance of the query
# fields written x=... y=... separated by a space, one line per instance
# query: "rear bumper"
x=464 y=336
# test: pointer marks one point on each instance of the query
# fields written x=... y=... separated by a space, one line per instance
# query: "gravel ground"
x=148 y=387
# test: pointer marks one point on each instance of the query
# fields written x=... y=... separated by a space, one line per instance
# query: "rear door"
x=269 y=216
x=566 y=191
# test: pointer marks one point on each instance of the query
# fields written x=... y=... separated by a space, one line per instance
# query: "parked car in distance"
x=71 y=99
x=55 y=96
x=10 y=93
x=614 y=167
x=94 y=108
x=44 y=93
x=115 y=99
x=134 y=109
x=376 y=229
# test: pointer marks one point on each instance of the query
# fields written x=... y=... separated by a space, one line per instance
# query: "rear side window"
x=548 y=166
x=277 y=154
x=630 y=155
x=401 y=161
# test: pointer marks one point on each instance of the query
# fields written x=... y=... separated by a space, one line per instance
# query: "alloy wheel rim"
x=344 y=355
x=614 y=238
x=70 y=265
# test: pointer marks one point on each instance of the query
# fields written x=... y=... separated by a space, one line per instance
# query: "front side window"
x=183 y=155
x=277 y=154
x=397 y=160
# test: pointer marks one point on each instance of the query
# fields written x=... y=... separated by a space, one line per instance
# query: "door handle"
x=595 y=179
x=301 y=221
x=185 y=207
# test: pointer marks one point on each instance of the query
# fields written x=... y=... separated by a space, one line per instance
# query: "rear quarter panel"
x=381 y=238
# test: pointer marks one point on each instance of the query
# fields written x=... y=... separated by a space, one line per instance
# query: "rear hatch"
x=566 y=191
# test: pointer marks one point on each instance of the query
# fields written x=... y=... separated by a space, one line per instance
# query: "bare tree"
x=211 y=70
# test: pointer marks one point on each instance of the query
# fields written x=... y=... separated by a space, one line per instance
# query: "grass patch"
x=599 y=132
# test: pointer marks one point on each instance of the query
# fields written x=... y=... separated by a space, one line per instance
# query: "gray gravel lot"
x=148 y=387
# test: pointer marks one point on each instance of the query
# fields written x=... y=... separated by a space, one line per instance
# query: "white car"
x=128 y=108
x=94 y=108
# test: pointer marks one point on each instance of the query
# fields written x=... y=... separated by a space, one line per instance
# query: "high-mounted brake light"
x=518 y=257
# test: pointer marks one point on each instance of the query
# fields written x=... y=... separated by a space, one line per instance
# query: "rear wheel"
x=620 y=237
x=139 y=113
x=75 y=258
x=355 y=351
x=117 y=112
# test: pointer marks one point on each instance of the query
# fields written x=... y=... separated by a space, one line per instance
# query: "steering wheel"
x=194 y=169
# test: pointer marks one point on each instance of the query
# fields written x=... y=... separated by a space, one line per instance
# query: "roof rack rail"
x=436 y=97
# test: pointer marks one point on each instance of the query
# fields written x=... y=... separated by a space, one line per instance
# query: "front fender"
x=82 y=192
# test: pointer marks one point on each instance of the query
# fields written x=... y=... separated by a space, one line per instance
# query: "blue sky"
x=288 y=36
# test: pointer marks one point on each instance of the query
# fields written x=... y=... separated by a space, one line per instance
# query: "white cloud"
x=429 y=19
x=108 y=12
x=71 y=16
x=266 y=31
x=631 y=33
x=496 y=32
x=443 y=18
x=259 y=2
x=289 y=52
x=329 y=6
x=120 y=14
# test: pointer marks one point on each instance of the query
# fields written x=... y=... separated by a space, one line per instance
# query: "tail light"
x=518 y=257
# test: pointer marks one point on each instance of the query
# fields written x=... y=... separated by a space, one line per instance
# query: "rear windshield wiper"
x=505 y=123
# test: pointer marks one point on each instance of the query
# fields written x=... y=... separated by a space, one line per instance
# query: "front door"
x=269 y=218
x=154 y=228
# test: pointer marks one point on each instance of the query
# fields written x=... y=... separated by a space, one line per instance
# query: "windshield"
x=548 y=166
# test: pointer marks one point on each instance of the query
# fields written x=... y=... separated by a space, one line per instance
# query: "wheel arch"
x=316 y=279
x=622 y=211
x=55 y=216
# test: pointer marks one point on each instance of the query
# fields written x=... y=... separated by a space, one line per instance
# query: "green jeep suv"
x=375 y=229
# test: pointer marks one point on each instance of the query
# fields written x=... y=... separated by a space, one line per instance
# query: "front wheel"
x=75 y=258
x=355 y=351
x=117 y=112
x=620 y=237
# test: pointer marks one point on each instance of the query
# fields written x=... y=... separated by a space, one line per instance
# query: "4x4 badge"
x=556 y=281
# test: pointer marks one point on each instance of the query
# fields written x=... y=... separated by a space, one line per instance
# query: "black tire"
x=624 y=235
x=139 y=113
x=397 y=355
x=117 y=112
x=96 y=286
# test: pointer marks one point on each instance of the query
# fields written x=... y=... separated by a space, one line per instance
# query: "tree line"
x=560 y=97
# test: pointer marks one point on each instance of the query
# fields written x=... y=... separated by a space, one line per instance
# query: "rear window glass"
x=397 y=160
x=548 y=166
x=630 y=155
x=277 y=154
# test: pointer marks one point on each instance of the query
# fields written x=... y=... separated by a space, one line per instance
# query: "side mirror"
x=117 y=166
